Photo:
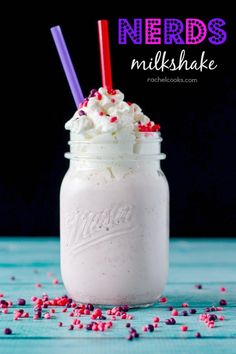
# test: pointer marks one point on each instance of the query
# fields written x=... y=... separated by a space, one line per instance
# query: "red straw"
x=105 y=54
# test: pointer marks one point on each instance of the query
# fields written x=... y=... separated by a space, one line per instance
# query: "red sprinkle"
x=148 y=127
x=111 y=92
x=113 y=119
x=163 y=299
x=101 y=113
x=98 y=96
x=59 y=324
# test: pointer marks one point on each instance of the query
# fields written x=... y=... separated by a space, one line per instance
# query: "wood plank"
x=209 y=262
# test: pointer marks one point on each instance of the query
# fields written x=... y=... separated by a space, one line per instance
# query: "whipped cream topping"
x=105 y=116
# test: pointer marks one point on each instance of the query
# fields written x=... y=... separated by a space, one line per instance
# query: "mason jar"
x=114 y=222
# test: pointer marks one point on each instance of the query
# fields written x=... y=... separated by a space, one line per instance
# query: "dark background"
x=197 y=120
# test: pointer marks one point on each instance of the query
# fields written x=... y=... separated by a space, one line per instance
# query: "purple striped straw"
x=67 y=65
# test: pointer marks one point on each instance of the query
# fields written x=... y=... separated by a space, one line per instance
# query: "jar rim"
x=114 y=157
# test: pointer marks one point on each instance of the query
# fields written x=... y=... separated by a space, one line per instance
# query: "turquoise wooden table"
x=211 y=263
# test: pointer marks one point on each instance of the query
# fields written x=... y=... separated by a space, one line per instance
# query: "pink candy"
x=184 y=304
x=184 y=328
x=221 y=318
x=47 y=316
x=55 y=281
x=174 y=313
x=38 y=285
x=156 y=319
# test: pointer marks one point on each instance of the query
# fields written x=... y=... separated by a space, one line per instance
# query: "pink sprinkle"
x=113 y=100
x=223 y=290
x=59 y=324
x=107 y=325
x=202 y=317
x=118 y=313
x=33 y=298
x=144 y=328
x=219 y=308
x=221 y=318
x=184 y=304
x=25 y=315
x=86 y=312
x=156 y=319
x=155 y=325
x=47 y=316
x=113 y=311
x=174 y=313
x=64 y=310
x=38 y=285
x=129 y=317
x=73 y=304
x=71 y=314
x=101 y=113
x=55 y=281
x=5 y=311
x=113 y=317
x=1 y=295
x=94 y=327
x=36 y=317
x=108 y=312
x=39 y=302
x=211 y=325
x=163 y=299
x=123 y=317
x=98 y=312
x=52 y=310
x=80 y=325
x=93 y=316
x=10 y=303
x=74 y=321
x=184 y=328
